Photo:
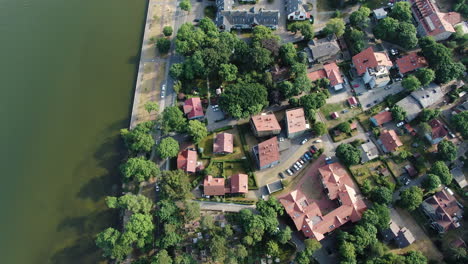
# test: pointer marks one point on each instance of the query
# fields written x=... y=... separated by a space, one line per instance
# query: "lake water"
x=67 y=73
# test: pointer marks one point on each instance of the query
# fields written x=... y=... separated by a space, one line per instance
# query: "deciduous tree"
x=197 y=130
x=163 y=45
x=447 y=150
x=411 y=198
x=335 y=26
x=167 y=31
x=431 y=182
x=110 y=242
x=398 y=113
x=135 y=203
x=175 y=185
x=185 y=5
x=162 y=258
x=440 y=169
x=460 y=121
x=425 y=76
x=344 y=127
x=348 y=154
x=167 y=148
x=411 y=83
x=382 y=195
x=428 y=114
x=319 y=129
x=360 y=18
x=228 y=72
x=241 y=100
x=138 y=139
x=401 y=11
x=151 y=106
x=139 y=168
x=173 y=120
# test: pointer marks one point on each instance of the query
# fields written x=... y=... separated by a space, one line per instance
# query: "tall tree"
x=335 y=26
x=382 y=195
x=360 y=18
x=139 y=230
x=440 y=169
x=447 y=150
x=228 y=72
x=185 y=5
x=411 y=198
x=136 y=203
x=319 y=129
x=431 y=182
x=241 y=100
x=175 y=185
x=167 y=148
x=197 y=130
x=139 y=168
x=111 y=244
x=162 y=258
x=172 y=120
x=401 y=11
x=288 y=54
x=428 y=114
x=425 y=76
x=398 y=113
x=348 y=154
x=167 y=31
x=356 y=38
x=411 y=83
x=460 y=121
x=138 y=139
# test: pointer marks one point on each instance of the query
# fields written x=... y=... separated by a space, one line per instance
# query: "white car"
x=163 y=87
x=400 y=124
x=162 y=94
x=318 y=141
x=304 y=141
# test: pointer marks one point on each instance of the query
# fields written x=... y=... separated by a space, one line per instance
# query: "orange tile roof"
x=433 y=21
x=316 y=75
x=223 y=143
x=390 y=140
x=370 y=59
x=333 y=73
x=295 y=120
x=438 y=129
x=213 y=186
x=239 y=183
x=193 y=108
x=266 y=122
x=268 y=151
x=187 y=161
x=383 y=117
x=411 y=62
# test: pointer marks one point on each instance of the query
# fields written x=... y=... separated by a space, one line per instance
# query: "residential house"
x=228 y=18
x=411 y=62
x=295 y=122
x=460 y=108
x=193 y=108
x=373 y=67
x=459 y=177
x=431 y=22
x=239 y=183
x=267 y=153
x=307 y=215
x=223 y=143
x=265 y=125
x=443 y=210
x=389 y=141
x=420 y=99
x=187 y=161
x=324 y=49
x=369 y=152
x=295 y=10
x=213 y=186
x=437 y=133
x=381 y=118
x=331 y=71
x=402 y=236
x=379 y=13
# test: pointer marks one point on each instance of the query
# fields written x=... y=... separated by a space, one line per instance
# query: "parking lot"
x=369 y=98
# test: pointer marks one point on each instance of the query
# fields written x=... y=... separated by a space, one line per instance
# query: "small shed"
x=334 y=115
x=380 y=13
x=352 y=101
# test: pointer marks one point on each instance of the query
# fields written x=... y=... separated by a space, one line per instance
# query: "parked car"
x=404 y=180
x=299 y=165
x=314 y=148
x=304 y=141
x=451 y=135
x=281 y=139
x=289 y=171
x=296 y=167
x=398 y=79
x=162 y=94
x=157 y=187
x=400 y=124
x=368 y=105
x=281 y=175
x=318 y=141
x=163 y=87
x=301 y=161
x=328 y=160
x=355 y=85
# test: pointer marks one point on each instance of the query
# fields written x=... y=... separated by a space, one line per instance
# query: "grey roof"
x=459 y=176
x=293 y=6
x=380 y=13
x=391 y=232
x=369 y=151
x=428 y=96
x=404 y=238
x=228 y=18
x=411 y=107
x=325 y=47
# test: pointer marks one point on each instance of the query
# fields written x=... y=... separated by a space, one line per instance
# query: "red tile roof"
x=390 y=140
x=333 y=73
x=187 y=161
x=213 y=186
x=268 y=151
x=353 y=125
x=370 y=59
x=266 y=122
x=382 y=117
x=446 y=208
x=434 y=22
x=453 y=18
x=306 y=214
x=411 y=62
x=334 y=115
x=239 y=183
x=223 y=143
x=295 y=120
x=193 y=108
x=438 y=129
x=352 y=101
x=316 y=75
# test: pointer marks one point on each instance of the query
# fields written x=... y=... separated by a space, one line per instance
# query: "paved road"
x=225 y=207
x=414 y=182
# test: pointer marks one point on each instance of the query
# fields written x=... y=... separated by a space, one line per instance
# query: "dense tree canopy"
x=138 y=139
x=167 y=31
x=348 y=154
x=360 y=18
x=431 y=182
x=344 y=127
x=175 y=185
x=398 y=32
x=335 y=26
x=305 y=27
x=447 y=150
x=379 y=216
x=382 y=195
x=411 y=198
x=398 y=113
x=319 y=129
x=139 y=169
x=428 y=114
x=243 y=99
x=197 y=130
x=163 y=45
x=228 y=72
x=411 y=83
x=185 y=5
x=167 y=148
x=173 y=120
x=440 y=169
x=401 y=11
x=425 y=76
x=460 y=121
x=356 y=38
x=136 y=203
x=162 y=258
x=139 y=230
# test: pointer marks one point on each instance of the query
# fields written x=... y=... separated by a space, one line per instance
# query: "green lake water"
x=67 y=73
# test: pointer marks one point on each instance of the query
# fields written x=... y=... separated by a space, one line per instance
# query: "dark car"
x=368 y=105
x=196 y=20
x=314 y=148
x=281 y=175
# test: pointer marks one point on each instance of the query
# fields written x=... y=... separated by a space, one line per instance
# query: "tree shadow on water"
x=83 y=250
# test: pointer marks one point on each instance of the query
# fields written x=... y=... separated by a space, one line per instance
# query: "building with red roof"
x=334 y=115
x=443 y=210
x=223 y=143
x=411 y=62
x=213 y=186
x=187 y=161
x=381 y=118
x=307 y=215
x=438 y=132
x=352 y=101
x=267 y=153
x=431 y=22
x=389 y=141
x=239 y=183
x=331 y=71
x=373 y=67
x=193 y=108
x=265 y=125
x=296 y=123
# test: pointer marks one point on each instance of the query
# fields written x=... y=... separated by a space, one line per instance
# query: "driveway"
x=225 y=207
x=414 y=182
x=376 y=94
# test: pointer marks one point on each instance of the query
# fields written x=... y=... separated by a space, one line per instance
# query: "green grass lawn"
x=369 y=171
x=373 y=4
x=327 y=109
x=207 y=145
x=231 y=168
